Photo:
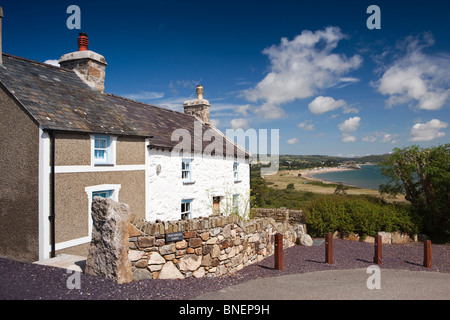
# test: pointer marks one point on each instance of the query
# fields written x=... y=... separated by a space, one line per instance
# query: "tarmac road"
x=341 y=285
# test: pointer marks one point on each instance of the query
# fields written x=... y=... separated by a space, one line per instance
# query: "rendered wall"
x=19 y=182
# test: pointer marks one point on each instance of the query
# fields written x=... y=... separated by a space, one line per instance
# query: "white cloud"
x=427 y=131
x=306 y=125
x=52 y=62
x=243 y=109
x=381 y=136
x=389 y=138
x=347 y=127
x=299 y=68
x=350 y=125
x=346 y=137
x=239 y=124
x=215 y=122
x=144 y=95
x=321 y=104
x=292 y=141
x=417 y=77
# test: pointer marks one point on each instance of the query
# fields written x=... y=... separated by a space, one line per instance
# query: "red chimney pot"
x=83 y=42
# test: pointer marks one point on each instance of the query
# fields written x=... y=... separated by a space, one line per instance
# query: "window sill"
x=103 y=164
x=188 y=182
x=237 y=181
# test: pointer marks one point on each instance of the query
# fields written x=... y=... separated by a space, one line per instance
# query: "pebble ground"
x=25 y=281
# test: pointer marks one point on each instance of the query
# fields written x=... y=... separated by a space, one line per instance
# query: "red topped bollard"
x=278 y=251
x=378 y=249
x=329 y=248
x=427 y=254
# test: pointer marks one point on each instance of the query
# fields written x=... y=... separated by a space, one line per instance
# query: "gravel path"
x=21 y=281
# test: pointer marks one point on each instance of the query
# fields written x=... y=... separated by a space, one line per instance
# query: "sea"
x=368 y=177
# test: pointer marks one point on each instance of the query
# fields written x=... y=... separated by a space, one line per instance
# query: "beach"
x=308 y=173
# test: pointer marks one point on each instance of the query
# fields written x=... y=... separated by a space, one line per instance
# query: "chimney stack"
x=1 y=51
x=199 y=107
x=88 y=65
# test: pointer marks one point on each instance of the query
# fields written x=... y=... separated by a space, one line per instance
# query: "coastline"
x=308 y=173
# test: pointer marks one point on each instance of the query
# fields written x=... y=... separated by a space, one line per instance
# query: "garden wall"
x=212 y=246
x=280 y=215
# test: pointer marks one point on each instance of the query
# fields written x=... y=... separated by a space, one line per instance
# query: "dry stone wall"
x=280 y=215
x=203 y=247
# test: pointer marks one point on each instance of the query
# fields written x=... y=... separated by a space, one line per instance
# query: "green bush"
x=364 y=215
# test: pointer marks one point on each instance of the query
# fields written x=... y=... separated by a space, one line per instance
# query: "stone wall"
x=280 y=215
x=212 y=246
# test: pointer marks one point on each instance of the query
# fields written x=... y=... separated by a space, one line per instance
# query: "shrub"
x=363 y=215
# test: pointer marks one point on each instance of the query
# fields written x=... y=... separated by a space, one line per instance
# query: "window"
x=103 y=190
x=236 y=171
x=186 y=209
x=103 y=194
x=235 y=208
x=102 y=150
x=186 y=170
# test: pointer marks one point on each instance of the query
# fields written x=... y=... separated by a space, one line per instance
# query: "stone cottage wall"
x=212 y=246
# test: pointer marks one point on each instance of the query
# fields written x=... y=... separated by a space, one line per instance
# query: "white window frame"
x=189 y=212
x=236 y=171
x=189 y=178
x=114 y=188
x=110 y=150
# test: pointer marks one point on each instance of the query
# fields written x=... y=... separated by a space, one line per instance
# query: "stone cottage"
x=65 y=141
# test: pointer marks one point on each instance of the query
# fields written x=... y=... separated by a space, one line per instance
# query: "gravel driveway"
x=21 y=281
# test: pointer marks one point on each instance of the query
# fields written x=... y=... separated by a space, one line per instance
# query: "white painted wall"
x=212 y=176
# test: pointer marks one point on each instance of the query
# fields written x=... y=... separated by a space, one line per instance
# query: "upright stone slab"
x=108 y=251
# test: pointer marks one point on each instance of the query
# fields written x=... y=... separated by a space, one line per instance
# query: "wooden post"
x=278 y=251
x=378 y=249
x=329 y=248
x=427 y=254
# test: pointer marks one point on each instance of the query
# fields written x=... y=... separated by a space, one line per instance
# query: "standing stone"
x=108 y=251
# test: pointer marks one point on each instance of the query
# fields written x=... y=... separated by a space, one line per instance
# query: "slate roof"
x=59 y=100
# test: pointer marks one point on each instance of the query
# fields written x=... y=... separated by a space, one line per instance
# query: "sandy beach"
x=308 y=173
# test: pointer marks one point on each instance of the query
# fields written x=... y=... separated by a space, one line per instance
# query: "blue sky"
x=311 y=69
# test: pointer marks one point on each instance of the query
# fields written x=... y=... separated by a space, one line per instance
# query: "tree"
x=423 y=175
x=340 y=188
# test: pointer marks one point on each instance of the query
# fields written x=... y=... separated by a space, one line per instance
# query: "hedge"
x=364 y=215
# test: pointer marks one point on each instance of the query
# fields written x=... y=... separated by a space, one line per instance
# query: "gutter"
x=51 y=217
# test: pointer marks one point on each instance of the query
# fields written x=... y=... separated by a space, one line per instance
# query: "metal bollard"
x=329 y=248
x=427 y=254
x=278 y=251
x=378 y=249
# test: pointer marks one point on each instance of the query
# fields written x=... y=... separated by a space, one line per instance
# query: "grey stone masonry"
x=211 y=247
x=88 y=65
x=198 y=108
x=108 y=251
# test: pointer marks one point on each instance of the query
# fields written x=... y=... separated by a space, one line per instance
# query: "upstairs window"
x=102 y=149
x=186 y=209
x=186 y=170
x=236 y=171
